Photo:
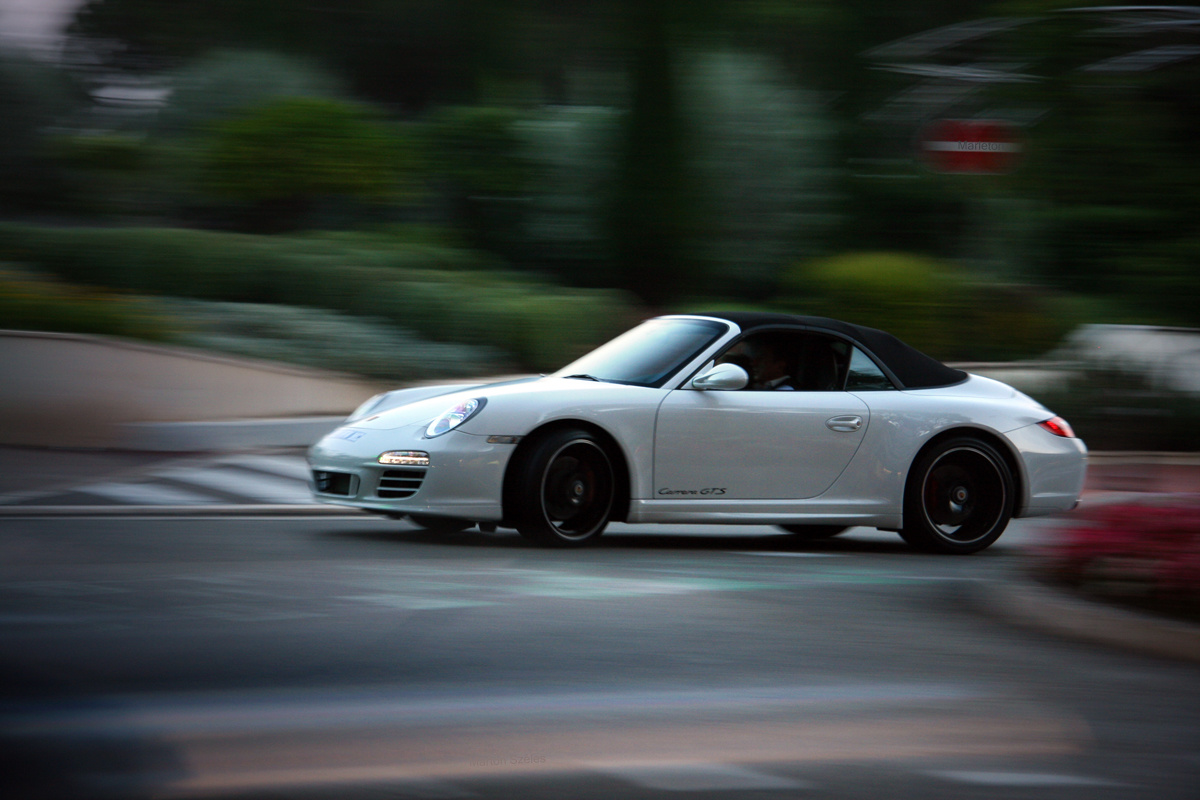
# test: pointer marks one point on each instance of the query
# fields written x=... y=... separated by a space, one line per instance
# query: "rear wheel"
x=959 y=497
x=814 y=531
x=564 y=490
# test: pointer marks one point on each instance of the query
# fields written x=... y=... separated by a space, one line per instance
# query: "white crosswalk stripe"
x=146 y=494
x=242 y=483
x=293 y=467
x=242 y=479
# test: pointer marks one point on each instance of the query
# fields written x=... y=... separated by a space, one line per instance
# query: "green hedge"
x=933 y=305
x=30 y=303
x=443 y=293
x=326 y=339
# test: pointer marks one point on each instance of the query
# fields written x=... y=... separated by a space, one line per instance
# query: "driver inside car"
x=769 y=368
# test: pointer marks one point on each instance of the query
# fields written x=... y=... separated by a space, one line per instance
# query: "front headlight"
x=453 y=417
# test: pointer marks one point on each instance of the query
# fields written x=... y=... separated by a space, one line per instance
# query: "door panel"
x=754 y=445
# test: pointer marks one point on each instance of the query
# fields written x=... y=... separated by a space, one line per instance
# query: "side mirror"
x=722 y=377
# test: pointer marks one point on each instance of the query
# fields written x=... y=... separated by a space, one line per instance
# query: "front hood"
x=549 y=392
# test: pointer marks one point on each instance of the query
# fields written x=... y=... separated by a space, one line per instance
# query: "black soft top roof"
x=912 y=368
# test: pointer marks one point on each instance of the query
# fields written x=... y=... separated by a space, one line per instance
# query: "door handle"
x=846 y=424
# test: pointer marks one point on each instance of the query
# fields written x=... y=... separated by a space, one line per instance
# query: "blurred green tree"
x=1105 y=200
x=572 y=152
x=281 y=157
x=410 y=53
x=762 y=147
x=655 y=217
x=33 y=97
x=478 y=161
x=223 y=81
x=1112 y=160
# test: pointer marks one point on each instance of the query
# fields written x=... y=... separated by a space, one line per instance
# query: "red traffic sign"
x=970 y=146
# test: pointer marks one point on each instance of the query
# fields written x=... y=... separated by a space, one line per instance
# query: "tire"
x=813 y=532
x=959 y=497
x=564 y=490
x=439 y=524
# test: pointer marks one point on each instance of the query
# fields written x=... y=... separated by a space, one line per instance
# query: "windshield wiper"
x=583 y=377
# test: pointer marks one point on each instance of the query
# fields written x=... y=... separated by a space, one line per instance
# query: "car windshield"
x=648 y=354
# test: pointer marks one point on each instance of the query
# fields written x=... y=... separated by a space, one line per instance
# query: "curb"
x=1021 y=601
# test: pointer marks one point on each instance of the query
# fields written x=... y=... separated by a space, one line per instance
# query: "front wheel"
x=959 y=497
x=564 y=491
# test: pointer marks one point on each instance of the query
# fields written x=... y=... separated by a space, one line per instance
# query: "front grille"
x=399 y=483
x=332 y=482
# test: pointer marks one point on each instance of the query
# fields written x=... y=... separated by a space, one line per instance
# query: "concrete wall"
x=67 y=390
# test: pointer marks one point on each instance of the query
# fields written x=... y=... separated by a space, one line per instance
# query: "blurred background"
x=406 y=189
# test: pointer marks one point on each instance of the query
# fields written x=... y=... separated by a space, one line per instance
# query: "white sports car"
x=807 y=423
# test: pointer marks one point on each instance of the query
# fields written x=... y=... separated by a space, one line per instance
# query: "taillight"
x=1059 y=427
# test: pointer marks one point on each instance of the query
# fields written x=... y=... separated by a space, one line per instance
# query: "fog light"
x=405 y=458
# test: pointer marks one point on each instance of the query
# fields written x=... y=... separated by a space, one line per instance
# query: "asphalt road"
x=354 y=657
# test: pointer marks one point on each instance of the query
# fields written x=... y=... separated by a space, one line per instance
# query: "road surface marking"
x=241 y=483
x=146 y=494
x=294 y=467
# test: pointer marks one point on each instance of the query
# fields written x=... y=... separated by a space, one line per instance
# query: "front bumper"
x=464 y=479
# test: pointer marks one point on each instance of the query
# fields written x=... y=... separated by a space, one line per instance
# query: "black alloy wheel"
x=565 y=490
x=959 y=497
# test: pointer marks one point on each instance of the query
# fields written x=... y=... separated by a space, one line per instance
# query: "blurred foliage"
x=302 y=336
x=29 y=301
x=476 y=157
x=571 y=152
x=1143 y=554
x=933 y=305
x=653 y=218
x=33 y=97
x=225 y=81
x=761 y=150
x=440 y=292
x=758 y=154
x=285 y=155
x=325 y=339
x=101 y=152
x=672 y=149
x=107 y=173
x=411 y=53
x=1111 y=159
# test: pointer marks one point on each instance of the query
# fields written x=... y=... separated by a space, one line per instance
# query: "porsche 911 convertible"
x=806 y=423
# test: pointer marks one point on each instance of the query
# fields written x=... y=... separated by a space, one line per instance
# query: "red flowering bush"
x=1146 y=553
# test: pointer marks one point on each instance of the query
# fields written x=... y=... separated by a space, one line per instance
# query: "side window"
x=791 y=361
x=864 y=375
x=822 y=364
